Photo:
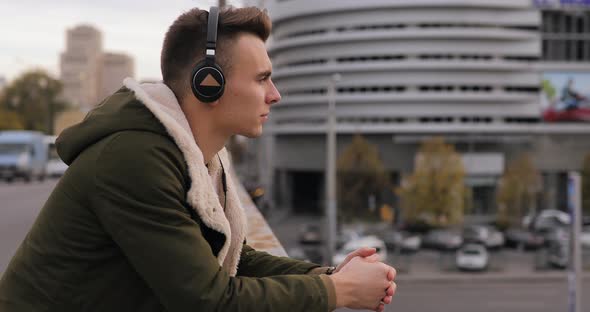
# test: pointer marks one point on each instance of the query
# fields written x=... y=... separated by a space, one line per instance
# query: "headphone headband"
x=212 y=32
x=207 y=80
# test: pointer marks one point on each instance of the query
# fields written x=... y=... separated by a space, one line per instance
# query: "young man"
x=145 y=218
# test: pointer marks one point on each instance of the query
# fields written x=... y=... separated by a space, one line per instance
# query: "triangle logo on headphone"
x=209 y=81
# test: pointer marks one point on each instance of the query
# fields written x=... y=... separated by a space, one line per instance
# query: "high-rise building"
x=256 y=3
x=468 y=70
x=2 y=83
x=114 y=68
x=79 y=66
x=87 y=72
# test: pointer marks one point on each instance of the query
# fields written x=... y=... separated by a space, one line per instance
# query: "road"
x=483 y=296
x=19 y=205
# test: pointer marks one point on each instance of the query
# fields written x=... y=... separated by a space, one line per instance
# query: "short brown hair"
x=184 y=43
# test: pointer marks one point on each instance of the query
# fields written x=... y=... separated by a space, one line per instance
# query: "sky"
x=32 y=34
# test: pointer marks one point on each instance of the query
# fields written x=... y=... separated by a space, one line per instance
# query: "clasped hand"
x=363 y=282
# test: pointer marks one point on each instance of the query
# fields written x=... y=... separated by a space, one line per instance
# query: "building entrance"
x=307 y=188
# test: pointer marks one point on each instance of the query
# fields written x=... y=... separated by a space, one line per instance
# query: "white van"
x=23 y=154
x=55 y=167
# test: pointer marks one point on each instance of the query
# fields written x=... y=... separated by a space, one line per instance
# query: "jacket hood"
x=119 y=112
x=153 y=107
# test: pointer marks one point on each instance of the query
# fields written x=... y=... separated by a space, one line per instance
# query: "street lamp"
x=42 y=83
x=331 y=167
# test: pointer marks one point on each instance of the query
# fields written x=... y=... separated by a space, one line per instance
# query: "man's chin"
x=252 y=134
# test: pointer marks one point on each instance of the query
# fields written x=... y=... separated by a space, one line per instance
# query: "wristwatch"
x=330 y=270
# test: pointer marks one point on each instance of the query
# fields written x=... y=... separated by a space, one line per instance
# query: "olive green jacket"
x=136 y=224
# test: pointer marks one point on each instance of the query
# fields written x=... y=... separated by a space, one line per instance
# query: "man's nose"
x=274 y=96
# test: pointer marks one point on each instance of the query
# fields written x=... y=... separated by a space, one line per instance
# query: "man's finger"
x=380 y=307
x=391 y=274
x=387 y=299
x=372 y=258
x=361 y=252
x=389 y=291
x=365 y=252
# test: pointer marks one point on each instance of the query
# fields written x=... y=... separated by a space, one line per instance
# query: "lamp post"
x=330 y=176
x=42 y=83
x=575 y=265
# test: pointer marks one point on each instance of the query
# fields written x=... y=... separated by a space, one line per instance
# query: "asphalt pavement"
x=20 y=204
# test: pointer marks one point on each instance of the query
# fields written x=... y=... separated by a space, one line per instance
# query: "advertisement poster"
x=566 y=96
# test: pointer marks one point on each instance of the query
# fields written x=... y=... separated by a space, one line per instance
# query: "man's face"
x=249 y=91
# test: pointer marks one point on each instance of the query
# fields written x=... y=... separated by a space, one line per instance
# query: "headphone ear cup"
x=207 y=82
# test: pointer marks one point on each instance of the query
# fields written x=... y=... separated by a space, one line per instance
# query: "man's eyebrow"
x=266 y=73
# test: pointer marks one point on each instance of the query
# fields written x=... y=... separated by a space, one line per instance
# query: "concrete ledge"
x=260 y=236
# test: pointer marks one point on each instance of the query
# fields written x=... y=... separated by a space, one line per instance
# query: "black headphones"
x=207 y=79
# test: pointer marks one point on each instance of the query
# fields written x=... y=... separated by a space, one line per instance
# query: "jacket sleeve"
x=139 y=199
x=259 y=264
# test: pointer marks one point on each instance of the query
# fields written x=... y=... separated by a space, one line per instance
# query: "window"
x=565 y=35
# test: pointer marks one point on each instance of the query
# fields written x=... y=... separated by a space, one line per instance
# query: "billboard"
x=561 y=3
x=566 y=96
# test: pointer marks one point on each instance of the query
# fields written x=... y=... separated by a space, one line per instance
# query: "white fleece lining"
x=160 y=100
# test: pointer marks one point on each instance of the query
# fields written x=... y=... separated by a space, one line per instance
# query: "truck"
x=23 y=154
x=55 y=167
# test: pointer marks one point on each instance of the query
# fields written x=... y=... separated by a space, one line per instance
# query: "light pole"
x=575 y=265
x=42 y=83
x=330 y=175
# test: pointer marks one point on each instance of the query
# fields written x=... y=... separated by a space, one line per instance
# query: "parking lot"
x=425 y=262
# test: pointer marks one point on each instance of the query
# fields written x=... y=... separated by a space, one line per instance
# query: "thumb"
x=366 y=251
x=372 y=258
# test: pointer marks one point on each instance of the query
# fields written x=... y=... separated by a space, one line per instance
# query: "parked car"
x=546 y=219
x=403 y=241
x=472 y=257
x=23 y=154
x=485 y=235
x=521 y=238
x=557 y=241
x=347 y=234
x=442 y=239
x=54 y=167
x=310 y=234
x=364 y=241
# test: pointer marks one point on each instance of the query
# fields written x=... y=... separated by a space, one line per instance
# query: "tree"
x=361 y=180
x=435 y=192
x=10 y=120
x=34 y=98
x=517 y=191
x=549 y=89
x=586 y=185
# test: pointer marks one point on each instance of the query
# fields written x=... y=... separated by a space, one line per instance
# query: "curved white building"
x=465 y=69
x=406 y=61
